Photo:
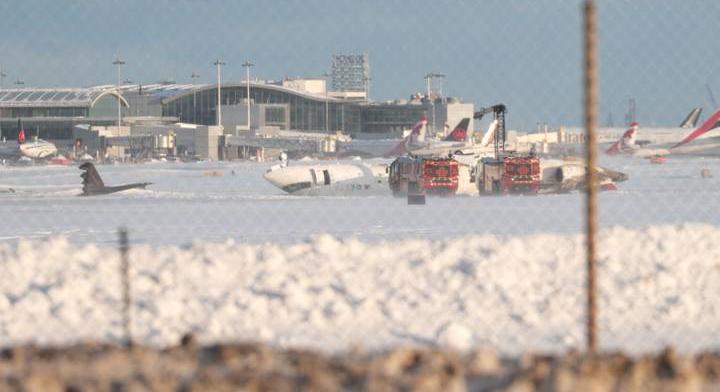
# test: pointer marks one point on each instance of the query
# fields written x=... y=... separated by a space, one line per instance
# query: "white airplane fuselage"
x=331 y=179
x=39 y=149
x=664 y=142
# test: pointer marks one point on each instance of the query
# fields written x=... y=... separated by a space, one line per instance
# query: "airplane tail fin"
x=626 y=141
x=416 y=135
x=691 y=119
x=460 y=133
x=419 y=130
x=91 y=178
x=710 y=124
x=400 y=149
x=21 y=133
x=489 y=134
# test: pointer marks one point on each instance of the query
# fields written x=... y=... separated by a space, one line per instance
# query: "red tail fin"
x=459 y=134
x=625 y=142
x=21 y=136
x=711 y=123
x=402 y=148
x=399 y=150
x=418 y=126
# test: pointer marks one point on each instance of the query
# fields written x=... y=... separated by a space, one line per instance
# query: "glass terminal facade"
x=52 y=113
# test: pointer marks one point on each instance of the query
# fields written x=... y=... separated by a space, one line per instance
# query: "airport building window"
x=274 y=116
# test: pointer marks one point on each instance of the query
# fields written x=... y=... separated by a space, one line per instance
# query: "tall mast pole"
x=194 y=78
x=218 y=64
x=247 y=66
x=118 y=63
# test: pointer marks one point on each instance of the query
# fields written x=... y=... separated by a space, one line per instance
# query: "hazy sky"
x=522 y=53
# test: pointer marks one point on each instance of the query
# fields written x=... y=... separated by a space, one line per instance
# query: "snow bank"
x=659 y=286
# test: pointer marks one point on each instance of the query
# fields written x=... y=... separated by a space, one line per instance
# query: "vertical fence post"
x=591 y=93
x=125 y=283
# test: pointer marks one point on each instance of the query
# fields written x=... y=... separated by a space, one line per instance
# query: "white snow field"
x=658 y=286
x=184 y=204
x=231 y=257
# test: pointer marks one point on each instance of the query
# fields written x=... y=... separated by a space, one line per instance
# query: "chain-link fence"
x=484 y=243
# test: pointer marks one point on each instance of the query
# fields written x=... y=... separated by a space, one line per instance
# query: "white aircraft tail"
x=691 y=119
x=417 y=135
x=489 y=135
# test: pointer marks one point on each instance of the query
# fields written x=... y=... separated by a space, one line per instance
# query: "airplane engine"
x=567 y=173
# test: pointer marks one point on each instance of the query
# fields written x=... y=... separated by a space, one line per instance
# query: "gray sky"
x=523 y=53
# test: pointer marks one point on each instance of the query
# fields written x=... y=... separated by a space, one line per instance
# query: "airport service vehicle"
x=34 y=150
x=704 y=140
x=324 y=179
x=432 y=176
x=508 y=173
x=93 y=185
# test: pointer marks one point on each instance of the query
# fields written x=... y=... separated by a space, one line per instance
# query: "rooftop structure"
x=350 y=72
x=68 y=97
x=306 y=107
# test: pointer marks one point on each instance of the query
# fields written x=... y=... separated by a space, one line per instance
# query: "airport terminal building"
x=300 y=105
x=52 y=113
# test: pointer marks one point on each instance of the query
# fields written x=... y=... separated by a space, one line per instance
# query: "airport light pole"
x=118 y=63
x=2 y=78
x=247 y=65
x=428 y=78
x=194 y=78
x=327 y=111
x=218 y=64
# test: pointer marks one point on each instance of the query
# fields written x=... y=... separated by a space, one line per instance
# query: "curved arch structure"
x=306 y=111
x=104 y=93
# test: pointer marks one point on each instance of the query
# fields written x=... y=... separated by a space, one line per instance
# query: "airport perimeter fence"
x=218 y=252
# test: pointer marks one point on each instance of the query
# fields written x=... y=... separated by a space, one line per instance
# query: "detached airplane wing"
x=93 y=184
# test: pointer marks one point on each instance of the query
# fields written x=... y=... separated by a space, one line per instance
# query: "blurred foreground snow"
x=658 y=287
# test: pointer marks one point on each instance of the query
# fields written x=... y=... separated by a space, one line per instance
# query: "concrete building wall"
x=454 y=112
x=235 y=117
x=444 y=112
x=314 y=86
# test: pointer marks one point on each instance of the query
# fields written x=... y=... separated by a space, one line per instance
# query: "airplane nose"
x=275 y=177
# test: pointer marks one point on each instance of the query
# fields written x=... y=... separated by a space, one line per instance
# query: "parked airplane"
x=691 y=119
x=93 y=185
x=458 y=142
x=415 y=142
x=330 y=179
x=23 y=149
x=705 y=140
x=650 y=135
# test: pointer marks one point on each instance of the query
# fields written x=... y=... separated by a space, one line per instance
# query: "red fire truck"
x=437 y=176
x=521 y=175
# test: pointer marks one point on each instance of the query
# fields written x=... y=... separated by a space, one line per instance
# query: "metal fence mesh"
x=218 y=251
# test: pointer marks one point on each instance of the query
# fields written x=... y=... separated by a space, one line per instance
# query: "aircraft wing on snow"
x=93 y=185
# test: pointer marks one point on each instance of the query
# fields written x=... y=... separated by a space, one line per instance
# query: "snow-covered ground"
x=232 y=257
x=658 y=287
x=186 y=204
